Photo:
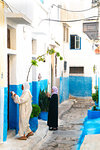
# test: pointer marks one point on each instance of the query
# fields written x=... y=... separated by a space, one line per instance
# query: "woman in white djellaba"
x=25 y=109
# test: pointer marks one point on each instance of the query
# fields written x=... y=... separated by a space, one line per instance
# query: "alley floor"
x=69 y=131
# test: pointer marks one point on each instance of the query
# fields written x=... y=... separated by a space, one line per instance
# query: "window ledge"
x=76 y=74
x=11 y=51
x=75 y=49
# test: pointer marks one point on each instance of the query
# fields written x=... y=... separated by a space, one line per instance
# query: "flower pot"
x=33 y=123
x=93 y=114
x=43 y=116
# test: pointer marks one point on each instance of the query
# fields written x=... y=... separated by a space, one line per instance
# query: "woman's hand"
x=48 y=94
x=13 y=93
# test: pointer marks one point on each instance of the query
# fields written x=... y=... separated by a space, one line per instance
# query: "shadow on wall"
x=64 y=89
x=36 y=87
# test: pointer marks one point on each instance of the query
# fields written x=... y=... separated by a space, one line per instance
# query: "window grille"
x=76 y=70
x=65 y=66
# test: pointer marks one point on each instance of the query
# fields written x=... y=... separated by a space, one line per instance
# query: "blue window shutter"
x=73 y=42
x=80 y=42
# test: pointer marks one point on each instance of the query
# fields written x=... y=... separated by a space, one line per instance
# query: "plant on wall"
x=43 y=101
x=41 y=58
x=35 y=111
x=95 y=95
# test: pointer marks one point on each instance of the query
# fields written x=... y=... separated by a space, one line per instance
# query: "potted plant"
x=44 y=105
x=34 y=117
x=95 y=96
x=95 y=111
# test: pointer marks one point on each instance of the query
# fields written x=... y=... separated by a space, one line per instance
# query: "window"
x=76 y=70
x=8 y=38
x=65 y=66
x=75 y=42
x=34 y=46
x=11 y=38
x=55 y=66
x=65 y=33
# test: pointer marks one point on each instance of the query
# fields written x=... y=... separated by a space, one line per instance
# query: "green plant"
x=43 y=101
x=35 y=111
x=41 y=58
x=95 y=95
x=94 y=108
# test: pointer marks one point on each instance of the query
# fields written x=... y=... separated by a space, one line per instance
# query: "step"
x=10 y=133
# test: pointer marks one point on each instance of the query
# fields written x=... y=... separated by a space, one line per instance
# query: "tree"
x=42 y=58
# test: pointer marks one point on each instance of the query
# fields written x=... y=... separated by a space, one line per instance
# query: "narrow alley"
x=69 y=131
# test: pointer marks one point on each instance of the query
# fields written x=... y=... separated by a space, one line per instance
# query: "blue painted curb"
x=33 y=124
x=43 y=116
x=93 y=114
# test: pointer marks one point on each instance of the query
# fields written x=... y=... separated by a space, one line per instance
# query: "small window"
x=8 y=38
x=75 y=41
x=11 y=38
x=76 y=70
x=65 y=66
x=34 y=46
x=66 y=33
x=55 y=66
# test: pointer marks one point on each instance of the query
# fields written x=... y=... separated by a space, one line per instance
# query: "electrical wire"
x=8 y=6
x=69 y=20
x=72 y=10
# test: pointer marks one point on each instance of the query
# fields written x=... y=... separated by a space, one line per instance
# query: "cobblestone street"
x=70 y=123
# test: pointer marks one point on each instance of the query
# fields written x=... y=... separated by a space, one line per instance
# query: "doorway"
x=11 y=83
x=8 y=83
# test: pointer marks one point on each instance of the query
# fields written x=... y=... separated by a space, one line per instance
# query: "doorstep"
x=13 y=143
x=10 y=134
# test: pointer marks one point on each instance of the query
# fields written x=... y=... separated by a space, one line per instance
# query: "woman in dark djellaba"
x=53 y=109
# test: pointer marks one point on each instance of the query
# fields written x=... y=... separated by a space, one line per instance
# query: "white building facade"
x=25 y=36
x=28 y=32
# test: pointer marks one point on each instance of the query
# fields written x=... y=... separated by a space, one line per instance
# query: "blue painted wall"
x=99 y=92
x=14 y=108
x=36 y=87
x=80 y=86
x=64 y=88
x=5 y=114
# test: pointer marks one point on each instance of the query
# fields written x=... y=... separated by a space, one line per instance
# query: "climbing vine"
x=41 y=58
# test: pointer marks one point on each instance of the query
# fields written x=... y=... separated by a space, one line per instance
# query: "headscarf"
x=55 y=90
x=26 y=86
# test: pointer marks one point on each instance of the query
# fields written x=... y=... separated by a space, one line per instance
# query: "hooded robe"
x=25 y=109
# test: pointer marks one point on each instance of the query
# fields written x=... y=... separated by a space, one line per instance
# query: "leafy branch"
x=41 y=58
